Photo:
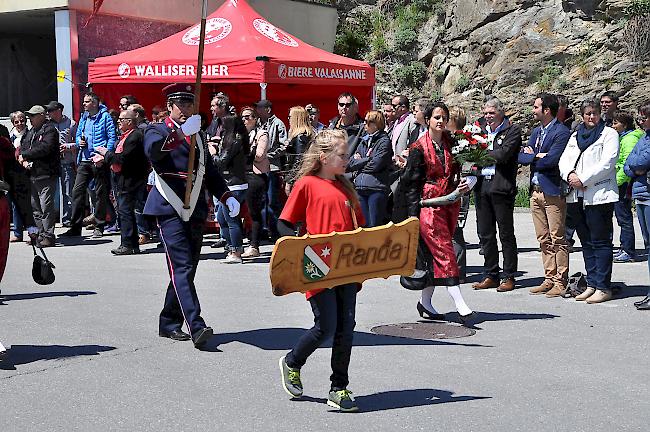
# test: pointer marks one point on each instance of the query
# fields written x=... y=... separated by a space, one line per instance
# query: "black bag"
x=576 y=286
x=42 y=268
x=565 y=189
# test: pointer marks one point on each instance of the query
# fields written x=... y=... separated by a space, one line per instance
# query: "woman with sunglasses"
x=257 y=176
x=432 y=172
x=19 y=122
x=369 y=169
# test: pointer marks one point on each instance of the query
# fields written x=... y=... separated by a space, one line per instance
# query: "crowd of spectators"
x=586 y=169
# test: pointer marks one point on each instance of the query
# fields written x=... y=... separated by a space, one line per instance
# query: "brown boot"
x=506 y=285
x=557 y=290
x=486 y=283
x=599 y=296
x=544 y=287
x=586 y=294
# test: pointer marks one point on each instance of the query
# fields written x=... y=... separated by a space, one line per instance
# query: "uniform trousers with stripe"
x=182 y=241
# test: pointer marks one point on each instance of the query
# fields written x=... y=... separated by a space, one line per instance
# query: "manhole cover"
x=429 y=330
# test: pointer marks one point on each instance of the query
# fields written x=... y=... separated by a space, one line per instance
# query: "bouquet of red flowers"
x=471 y=149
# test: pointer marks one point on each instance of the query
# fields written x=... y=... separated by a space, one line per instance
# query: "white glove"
x=192 y=125
x=233 y=206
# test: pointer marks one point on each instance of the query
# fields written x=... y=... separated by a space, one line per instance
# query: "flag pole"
x=197 y=103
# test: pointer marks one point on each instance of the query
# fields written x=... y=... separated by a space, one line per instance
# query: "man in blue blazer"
x=547 y=203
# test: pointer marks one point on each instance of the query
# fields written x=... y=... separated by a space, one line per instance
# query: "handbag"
x=42 y=268
x=565 y=188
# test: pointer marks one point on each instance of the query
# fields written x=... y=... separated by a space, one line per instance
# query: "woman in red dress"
x=431 y=172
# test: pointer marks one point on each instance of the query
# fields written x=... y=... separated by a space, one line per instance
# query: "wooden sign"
x=300 y=264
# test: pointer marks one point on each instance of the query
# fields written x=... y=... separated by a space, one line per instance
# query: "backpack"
x=576 y=286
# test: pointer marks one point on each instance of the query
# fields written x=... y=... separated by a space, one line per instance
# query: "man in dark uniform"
x=167 y=145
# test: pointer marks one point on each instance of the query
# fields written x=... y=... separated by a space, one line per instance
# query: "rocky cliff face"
x=465 y=50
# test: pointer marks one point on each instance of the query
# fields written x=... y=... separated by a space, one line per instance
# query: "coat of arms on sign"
x=316 y=261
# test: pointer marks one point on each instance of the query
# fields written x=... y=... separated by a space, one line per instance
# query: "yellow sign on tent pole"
x=60 y=76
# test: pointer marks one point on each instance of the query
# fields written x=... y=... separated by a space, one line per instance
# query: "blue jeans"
x=373 y=206
x=274 y=207
x=18 y=221
x=334 y=311
x=68 y=174
x=231 y=227
x=625 y=220
x=595 y=229
x=643 y=214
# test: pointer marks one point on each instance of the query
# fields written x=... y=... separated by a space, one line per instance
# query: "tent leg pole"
x=263 y=90
x=374 y=97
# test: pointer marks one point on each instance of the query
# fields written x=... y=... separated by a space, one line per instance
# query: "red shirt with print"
x=322 y=205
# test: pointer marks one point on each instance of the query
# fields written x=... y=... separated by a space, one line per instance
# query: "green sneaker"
x=290 y=379
x=343 y=400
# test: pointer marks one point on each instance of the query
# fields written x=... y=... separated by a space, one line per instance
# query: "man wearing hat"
x=278 y=141
x=67 y=130
x=39 y=153
x=167 y=145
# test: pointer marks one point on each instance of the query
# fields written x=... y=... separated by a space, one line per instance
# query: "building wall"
x=28 y=71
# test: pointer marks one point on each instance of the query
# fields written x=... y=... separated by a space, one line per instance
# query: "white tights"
x=454 y=293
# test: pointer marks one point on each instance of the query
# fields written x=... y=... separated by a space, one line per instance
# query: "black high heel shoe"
x=425 y=314
x=643 y=301
x=469 y=320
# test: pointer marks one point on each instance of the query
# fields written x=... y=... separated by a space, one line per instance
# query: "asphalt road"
x=85 y=354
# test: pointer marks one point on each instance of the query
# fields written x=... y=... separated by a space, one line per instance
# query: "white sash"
x=173 y=199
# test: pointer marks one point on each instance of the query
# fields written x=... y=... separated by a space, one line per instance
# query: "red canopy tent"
x=246 y=57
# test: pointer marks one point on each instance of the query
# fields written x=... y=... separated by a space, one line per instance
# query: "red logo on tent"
x=124 y=70
x=215 y=30
x=272 y=32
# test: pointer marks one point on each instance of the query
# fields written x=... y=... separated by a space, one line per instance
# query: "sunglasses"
x=345 y=104
x=123 y=119
x=19 y=121
x=368 y=121
x=395 y=106
x=439 y=117
x=247 y=117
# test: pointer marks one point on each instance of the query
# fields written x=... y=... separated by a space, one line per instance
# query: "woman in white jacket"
x=588 y=165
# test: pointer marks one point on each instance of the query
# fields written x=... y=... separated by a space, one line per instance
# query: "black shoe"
x=643 y=306
x=72 y=232
x=469 y=320
x=640 y=302
x=425 y=314
x=123 y=250
x=202 y=336
x=177 y=335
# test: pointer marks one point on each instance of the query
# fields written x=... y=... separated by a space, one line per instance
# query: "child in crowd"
x=323 y=201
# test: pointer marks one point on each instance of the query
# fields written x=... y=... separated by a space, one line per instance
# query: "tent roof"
x=240 y=47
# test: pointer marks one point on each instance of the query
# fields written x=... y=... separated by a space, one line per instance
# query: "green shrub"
x=548 y=76
x=411 y=75
x=638 y=7
x=405 y=38
x=523 y=197
x=462 y=84
x=350 y=43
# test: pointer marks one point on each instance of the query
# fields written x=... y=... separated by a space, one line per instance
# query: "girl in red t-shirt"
x=324 y=201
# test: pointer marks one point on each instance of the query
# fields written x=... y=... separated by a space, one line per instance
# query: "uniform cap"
x=179 y=91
